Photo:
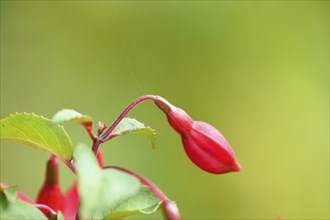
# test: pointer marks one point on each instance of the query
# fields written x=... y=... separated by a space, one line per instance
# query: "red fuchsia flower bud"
x=50 y=198
x=51 y=194
x=203 y=143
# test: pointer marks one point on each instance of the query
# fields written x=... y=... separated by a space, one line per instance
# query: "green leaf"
x=36 y=131
x=12 y=208
x=100 y=190
x=69 y=115
x=130 y=125
x=109 y=193
x=143 y=202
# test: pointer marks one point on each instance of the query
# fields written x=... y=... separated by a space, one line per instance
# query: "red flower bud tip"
x=178 y=118
x=203 y=143
x=51 y=193
x=171 y=211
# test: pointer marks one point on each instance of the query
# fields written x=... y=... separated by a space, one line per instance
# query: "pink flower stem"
x=107 y=135
x=143 y=180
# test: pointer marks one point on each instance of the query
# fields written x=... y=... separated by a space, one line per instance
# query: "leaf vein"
x=37 y=132
x=18 y=130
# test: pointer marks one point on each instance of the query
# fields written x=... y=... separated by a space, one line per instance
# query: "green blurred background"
x=258 y=71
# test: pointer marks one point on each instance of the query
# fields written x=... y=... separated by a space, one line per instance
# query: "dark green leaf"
x=38 y=132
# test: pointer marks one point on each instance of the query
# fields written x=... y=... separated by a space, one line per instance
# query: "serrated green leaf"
x=36 y=131
x=69 y=115
x=100 y=190
x=130 y=125
x=17 y=209
x=143 y=202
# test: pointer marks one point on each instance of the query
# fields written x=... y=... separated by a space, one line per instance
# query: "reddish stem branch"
x=107 y=134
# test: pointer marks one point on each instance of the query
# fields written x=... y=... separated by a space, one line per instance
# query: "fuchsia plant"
x=104 y=192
